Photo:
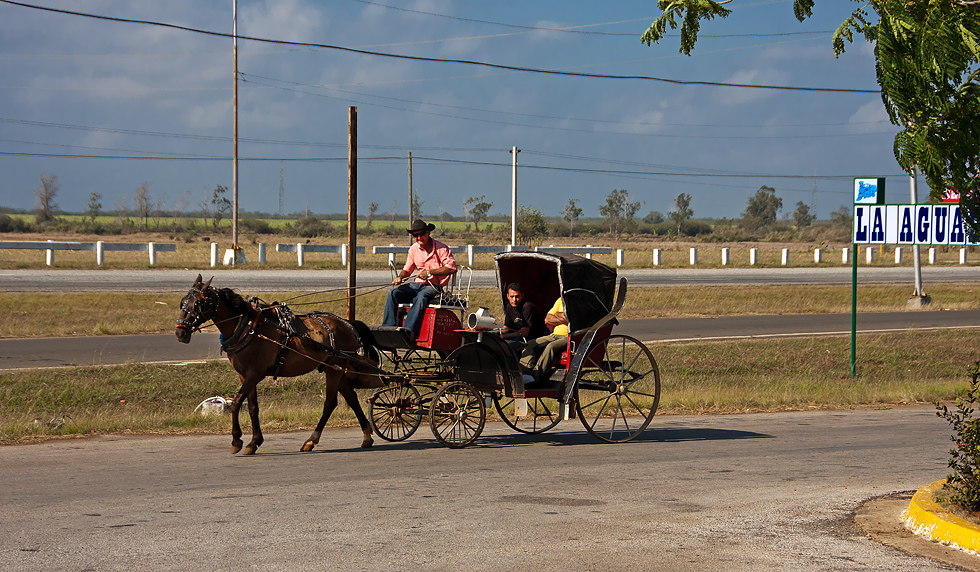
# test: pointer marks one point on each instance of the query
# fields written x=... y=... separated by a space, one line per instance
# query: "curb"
x=926 y=518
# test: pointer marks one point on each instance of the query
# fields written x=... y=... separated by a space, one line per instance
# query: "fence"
x=99 y=247
x=472 y=249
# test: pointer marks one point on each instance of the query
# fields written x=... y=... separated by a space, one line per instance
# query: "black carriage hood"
x=587 y=287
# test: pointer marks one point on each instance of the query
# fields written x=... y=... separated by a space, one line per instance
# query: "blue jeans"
x=419 y=294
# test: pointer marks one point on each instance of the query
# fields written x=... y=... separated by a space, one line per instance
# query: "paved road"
x=164 y=348
x=165 y=280
x=750 y=493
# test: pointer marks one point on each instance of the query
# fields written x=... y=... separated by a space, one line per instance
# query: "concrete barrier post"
x=391 y=256
x=694 y=257
x=619 y=257
x=343 y=254
x=469 y=255
x=898 y=255
x=932 y=255
x=753 y=256
x=151 y=249
x=587 y=254
x=785 y=256
x=843 y=257
x=49 y=255
x=963 y=256
x=725 y=253
x=214 y=254
x=100 y=252
x=261 y=253
x=817 y=255
x=869 y=254
x=656 y=257
x=299 y=253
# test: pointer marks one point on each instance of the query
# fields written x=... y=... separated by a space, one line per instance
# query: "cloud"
x=742 y=95
x=290 y=20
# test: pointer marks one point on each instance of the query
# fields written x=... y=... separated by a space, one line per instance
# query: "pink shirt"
x=439 y=257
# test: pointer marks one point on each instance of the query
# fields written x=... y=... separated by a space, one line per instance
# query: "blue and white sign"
x=910 y=224
x=869 y=191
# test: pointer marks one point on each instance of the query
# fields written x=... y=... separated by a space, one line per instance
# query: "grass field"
x=717 y=378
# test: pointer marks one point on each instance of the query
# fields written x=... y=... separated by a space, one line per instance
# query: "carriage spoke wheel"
x=542 y=414
x=617 y=399
x=395 y=412
x=457 y=414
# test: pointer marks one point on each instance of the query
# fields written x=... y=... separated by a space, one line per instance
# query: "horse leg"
x=350 y=396
x=247 y=387
x=329 y=404
x=253 y=413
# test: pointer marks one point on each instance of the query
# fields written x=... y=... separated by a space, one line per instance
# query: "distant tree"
x=372 y=210
x=619 y=211
x=802 y=216
x=531 y=226
x=142 y=204
x=416 y=207
x=122 y=209
x=219 y=204
x=841 y=217
x=477 y=208
x=763 y=208
x=45 y=197
x=180 y=206
x=570 y=214
x=158 y=208
x=392 y=214
x=94 y=206
x=682 y=211
x=655 y=217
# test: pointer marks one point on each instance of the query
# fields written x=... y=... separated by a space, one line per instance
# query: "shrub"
x=963 y=484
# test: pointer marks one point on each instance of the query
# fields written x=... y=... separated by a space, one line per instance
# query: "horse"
x=262 y=340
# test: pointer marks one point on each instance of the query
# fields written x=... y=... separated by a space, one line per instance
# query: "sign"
x=910 y=224
x=869 y=191
x=950 y=196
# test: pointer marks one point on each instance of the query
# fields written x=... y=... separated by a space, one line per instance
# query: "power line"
x=441 y=60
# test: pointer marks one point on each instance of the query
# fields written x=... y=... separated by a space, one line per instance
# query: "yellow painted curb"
x=926 y=518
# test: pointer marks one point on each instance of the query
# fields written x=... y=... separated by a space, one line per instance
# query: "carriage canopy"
x=586 y=287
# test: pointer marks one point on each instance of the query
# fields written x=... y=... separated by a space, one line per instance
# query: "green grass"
x=714 y=377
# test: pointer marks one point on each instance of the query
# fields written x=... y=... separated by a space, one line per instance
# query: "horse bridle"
x=203 y=309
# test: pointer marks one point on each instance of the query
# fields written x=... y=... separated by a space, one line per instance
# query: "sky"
x=107 y=105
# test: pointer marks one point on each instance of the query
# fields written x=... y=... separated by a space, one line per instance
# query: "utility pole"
x=513 y=198
x=919 y=297
x=411 y=198
x=351 y=210
x=281 y=188
x=234 y=163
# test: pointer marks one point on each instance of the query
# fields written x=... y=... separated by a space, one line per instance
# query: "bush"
x=11 y=224
x=963 y=484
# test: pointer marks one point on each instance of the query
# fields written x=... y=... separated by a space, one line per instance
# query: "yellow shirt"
x=560 y=329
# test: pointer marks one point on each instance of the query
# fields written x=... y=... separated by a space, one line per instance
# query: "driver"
x=541 y=354
x=435 y=265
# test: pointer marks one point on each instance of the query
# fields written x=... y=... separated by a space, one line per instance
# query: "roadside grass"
x=30 y=314
x=701 y=378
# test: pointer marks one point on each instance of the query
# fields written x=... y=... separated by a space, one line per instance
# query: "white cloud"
x=290 y=20
x=743 y=95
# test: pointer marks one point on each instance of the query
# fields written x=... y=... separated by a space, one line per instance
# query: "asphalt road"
x=164 y=348
x=252 y=280
x=750 y=493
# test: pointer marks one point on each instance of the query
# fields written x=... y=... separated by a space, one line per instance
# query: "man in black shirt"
x=522 y=319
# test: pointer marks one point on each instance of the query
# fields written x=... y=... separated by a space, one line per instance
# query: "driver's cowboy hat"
x=420 y=226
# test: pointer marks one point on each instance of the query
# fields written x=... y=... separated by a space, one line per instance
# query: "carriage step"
x=393 y=338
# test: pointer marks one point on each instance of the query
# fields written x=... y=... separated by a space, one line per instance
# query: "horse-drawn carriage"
x=452 y=374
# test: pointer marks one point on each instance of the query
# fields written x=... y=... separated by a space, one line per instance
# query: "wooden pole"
x=351 y=210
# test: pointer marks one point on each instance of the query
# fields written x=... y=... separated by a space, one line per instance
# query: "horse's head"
x=196 y=308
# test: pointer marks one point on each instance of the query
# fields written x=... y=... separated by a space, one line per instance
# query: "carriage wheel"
x=457 y=414
x=542 y=414
x=395 y=412
x=616 y=399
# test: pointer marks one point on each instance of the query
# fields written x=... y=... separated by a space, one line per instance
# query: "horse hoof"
x=366 y=444
x=307 y=447
x=235 y=449
x=249 y=451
